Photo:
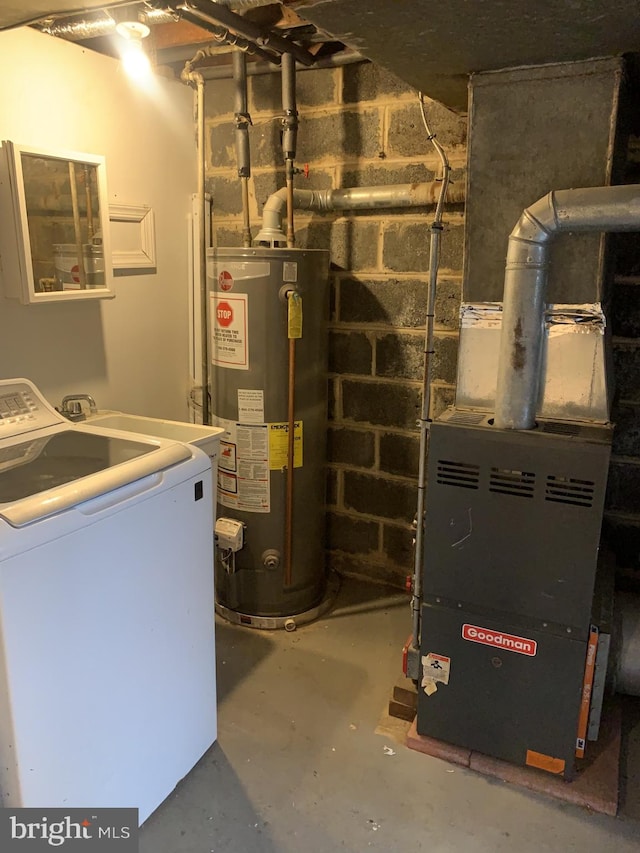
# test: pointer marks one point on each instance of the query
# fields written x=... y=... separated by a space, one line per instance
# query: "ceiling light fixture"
x=134 y=59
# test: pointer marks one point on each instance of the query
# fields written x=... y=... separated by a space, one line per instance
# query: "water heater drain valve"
x=229 y=534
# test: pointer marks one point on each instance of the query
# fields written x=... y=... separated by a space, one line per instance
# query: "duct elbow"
x=537 y=224
x=271 y=233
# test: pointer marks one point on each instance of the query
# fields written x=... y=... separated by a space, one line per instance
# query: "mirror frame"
x=18 y=275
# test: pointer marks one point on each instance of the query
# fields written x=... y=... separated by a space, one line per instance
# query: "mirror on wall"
x=59 y=245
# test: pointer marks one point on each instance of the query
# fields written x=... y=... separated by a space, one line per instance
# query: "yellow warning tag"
x=294 y=315
x=279 y=444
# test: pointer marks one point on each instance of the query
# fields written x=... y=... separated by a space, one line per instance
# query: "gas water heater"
x=268 y=309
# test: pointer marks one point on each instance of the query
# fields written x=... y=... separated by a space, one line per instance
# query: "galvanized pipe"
x=525 y=285
x=356 y=198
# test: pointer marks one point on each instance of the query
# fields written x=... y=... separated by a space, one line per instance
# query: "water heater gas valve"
x=229 y=534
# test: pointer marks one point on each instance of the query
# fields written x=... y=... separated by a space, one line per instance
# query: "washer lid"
x=58 y=470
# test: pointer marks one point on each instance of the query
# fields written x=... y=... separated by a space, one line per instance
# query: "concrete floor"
x=298 y=765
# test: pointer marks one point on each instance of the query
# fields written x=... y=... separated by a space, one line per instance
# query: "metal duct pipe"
x=628 y=663
x=244 y=4
x=356 y=198
x=152 y=16
x=81 y=30
x=525 y=285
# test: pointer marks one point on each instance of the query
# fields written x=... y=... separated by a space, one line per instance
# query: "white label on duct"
x=243 y=471
x=250 y=406
x=290 y=271
x=229 y=330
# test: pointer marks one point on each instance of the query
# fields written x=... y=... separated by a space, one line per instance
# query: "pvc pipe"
x=525 y=285
x=356 y=198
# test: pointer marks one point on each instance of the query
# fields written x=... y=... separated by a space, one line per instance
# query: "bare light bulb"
x=134 y=60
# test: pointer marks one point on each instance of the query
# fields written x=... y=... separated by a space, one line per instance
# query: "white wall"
x=131 y=352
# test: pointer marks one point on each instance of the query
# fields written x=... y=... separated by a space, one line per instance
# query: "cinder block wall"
x=359 y=127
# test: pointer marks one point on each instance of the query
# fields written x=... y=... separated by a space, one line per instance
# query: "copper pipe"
x=76 y=224
x=291 y=425
x=291 y=235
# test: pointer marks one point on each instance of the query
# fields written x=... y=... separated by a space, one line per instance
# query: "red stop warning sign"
x=225 y=280
x=224 y=314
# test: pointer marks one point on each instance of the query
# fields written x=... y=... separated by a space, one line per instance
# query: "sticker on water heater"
x=250 y=406
x=227 y=483
x=227 y=456
x=279 y=445
x=290 y=271
x=229 y=330
x=248 y=488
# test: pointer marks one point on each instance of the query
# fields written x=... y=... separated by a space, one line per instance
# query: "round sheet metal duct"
x=525 y=285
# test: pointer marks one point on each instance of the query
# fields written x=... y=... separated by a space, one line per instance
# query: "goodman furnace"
x=512 y=532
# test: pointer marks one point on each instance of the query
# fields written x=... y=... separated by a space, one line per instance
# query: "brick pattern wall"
x=359 y=127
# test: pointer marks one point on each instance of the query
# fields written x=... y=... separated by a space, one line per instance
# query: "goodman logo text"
x=510 y=642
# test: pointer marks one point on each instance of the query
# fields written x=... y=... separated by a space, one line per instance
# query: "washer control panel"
x=22 y=408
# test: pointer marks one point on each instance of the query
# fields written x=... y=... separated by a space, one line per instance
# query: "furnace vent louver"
x=567 y=490
x=572 y=430
x=461 y=474
x=507 y=481
x=459 y=417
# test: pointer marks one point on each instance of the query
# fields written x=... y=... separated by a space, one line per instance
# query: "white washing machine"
x=107 y=652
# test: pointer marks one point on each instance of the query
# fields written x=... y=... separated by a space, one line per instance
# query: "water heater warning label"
x=279 y=445
x=229 y=330
x=243 y=466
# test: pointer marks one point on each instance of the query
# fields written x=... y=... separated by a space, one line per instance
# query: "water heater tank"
x=250 y=326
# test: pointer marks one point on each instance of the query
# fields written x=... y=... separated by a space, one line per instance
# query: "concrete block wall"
x=359 y=126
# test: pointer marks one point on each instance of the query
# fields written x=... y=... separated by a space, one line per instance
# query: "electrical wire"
x=444 y=160
x=434 y=262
